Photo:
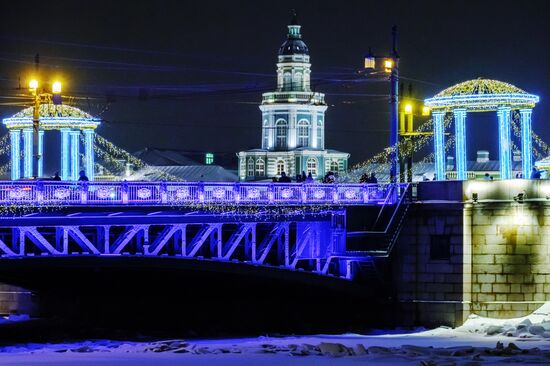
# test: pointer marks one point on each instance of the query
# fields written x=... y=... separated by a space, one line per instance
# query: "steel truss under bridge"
x=308 y=241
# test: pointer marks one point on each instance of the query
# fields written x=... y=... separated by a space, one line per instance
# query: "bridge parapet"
x=195 y=193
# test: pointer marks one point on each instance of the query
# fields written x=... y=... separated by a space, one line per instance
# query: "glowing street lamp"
x=33 y=85
x=426 y=111
x=388 y=65
x=56 y=87
x=408 y=108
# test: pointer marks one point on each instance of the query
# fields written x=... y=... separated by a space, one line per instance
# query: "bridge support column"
x=89 y=154
x=75 y=154
x=439 y=144
x=65 y=169
x=27 y=153
x=15 y=140
x=526 y=145
x=505 y=143
x=460 y=143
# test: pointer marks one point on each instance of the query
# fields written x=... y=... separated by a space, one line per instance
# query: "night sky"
x=189 y=74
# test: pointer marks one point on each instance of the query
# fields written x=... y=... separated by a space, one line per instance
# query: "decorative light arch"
x=70 y=121
x=482 y=95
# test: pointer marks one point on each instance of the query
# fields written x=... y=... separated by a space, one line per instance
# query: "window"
x=281 y=133
x=266 y=135
x=440 y=247
x=311 y=165
x=287 y=81
x=320 y=133
x=303 y=133
x=297 y=84
x=209 y=159
x=260 y=167
x=280 y=167
x=334 y=166
x=250 y=168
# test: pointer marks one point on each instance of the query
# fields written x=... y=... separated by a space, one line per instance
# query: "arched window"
x=303 y=133
x=287 y=81
x=311 y=165
x=280 y=167
x=250 y=168
x=334 y=166
x=320 y=133
x=260 y=167
x=297 y=82
x=281 y=133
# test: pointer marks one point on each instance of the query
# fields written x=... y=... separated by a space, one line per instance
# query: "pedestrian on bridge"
x=83 y=177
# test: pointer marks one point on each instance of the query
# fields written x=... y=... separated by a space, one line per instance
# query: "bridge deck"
x=194 y=193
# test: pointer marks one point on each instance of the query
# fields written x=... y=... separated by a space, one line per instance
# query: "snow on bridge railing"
x=195 y=193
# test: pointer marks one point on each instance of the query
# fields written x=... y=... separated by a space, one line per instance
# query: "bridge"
x=295 y=227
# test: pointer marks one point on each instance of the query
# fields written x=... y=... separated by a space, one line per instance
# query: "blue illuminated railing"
x=194 y=193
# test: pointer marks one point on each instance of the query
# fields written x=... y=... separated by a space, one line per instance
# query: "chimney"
x=482 y=156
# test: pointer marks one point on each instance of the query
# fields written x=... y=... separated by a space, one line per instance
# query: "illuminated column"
x=89 y=148
x=504 y=142
x=526 y=147
x=439 y=142
x=27 y=152
x=460 y=143
x=65 y=172
x=40 y=153
x=75 y=154
x=15 y=139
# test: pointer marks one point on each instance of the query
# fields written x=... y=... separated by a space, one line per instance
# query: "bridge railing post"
x=335 y=197
x=365 y=193
x=304 y=193
x=83 y=188
x=124 y=192
x=200 y=192
x=39 y=191
x=271 y=193
x=163 y=192
x=237 y=192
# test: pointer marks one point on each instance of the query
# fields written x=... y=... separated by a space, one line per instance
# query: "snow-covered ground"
x=480 y=341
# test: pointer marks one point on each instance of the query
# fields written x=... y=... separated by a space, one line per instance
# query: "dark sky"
x=189 y=74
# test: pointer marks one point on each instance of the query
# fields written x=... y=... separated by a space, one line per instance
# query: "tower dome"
x=294 y=44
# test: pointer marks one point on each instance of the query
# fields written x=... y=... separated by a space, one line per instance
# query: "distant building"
x=293 y=122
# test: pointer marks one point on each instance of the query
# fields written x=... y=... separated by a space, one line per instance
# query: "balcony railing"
x=193 y=193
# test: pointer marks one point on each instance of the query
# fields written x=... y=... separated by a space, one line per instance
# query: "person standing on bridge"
x=83 y=177
x=284 y=178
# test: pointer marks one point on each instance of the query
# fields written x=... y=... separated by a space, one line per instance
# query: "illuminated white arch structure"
x=482 y=95
x=70 y=121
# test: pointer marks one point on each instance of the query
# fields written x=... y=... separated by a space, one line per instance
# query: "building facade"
x=293 y=122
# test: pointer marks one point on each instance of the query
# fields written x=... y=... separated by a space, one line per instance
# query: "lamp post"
x=391 y=67
x=38 y=97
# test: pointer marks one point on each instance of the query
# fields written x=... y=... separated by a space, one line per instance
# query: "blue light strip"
x=460 y=143
x=89 y=147
x=75 y=154
x=526 y=146
x=65 y=154
x=27 y=153
x=15 y=140
x=504 y=142
x=40 y=153
x=439 y=141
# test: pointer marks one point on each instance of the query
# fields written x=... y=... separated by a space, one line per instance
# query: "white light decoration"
x=287 y=193
x=103 y=193
x=182 y=193
x=319 y=194
x=144 y=193
x=61 y=193
x=350 y=194
x=253 y=194
x=218 y=193
x=17 y=193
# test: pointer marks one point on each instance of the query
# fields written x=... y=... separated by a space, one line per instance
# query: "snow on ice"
x=480 y=341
